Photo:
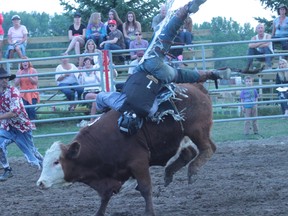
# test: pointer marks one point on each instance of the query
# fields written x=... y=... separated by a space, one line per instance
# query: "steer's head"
x=52 y=173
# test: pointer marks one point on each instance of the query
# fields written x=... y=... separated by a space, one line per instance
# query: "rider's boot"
x=192 y=76
x=193 y=6
x=166 y=37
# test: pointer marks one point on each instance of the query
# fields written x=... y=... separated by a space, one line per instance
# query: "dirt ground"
x=243 y=178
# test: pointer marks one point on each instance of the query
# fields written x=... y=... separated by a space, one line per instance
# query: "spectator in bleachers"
x=17 y=38
x=90 y=47
x=137 y=43
x=257 y=47
x=68 y=79
x=89 y=77
x=76 y=34
x=185 y=32
x=113 y=15
x=130 y=26
x=116 y=38
x=1 y=35
x=96 y=29
x=280 y=26
x=135 y=62
x=28 y=83
x=282 y=78
x=159 y=17
x=92 y=95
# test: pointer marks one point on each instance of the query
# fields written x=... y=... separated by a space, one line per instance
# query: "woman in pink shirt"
x=17 y=38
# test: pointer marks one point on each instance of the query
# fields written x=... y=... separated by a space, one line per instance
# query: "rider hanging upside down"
x=136 y=101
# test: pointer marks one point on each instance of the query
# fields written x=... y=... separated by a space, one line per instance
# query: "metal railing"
x=111 y=53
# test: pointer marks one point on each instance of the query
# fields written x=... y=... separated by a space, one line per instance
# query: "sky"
x=241 y=11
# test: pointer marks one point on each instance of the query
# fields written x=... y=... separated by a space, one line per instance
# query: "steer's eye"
x=56 y=162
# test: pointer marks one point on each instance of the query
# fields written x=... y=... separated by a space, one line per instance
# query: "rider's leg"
x=192 y=76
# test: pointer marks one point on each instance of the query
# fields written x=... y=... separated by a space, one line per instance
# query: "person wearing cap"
x=116 y=38
x=280 y=26
x=15 y=126
x=76 y=34
x=137 y=43
x=17 y=38
x=1 y=34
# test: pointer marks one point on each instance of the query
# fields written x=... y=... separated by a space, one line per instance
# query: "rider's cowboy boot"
x=192 y=76
x=193 y=6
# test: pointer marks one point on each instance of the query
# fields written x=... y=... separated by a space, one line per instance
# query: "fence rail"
x=200 y=61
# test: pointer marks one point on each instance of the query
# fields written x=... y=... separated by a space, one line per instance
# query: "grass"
x=221 y=131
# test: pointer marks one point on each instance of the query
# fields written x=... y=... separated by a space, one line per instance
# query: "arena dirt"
x=242 y=178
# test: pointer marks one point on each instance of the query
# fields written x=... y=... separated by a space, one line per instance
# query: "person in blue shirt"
x=249 y=110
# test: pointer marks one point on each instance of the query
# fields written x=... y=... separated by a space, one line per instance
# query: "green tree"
x=144 y=10
x=224 y=30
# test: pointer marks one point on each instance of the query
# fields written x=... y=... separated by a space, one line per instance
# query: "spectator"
x=185 y=32
x=68 y=79
x=17 y=38
x=90 y=47
x=28 y=83
x=1 y=35
x=116 y=38
x=258 y=47
x=131 y=70
x=90 y=77
x=93 y=95
x=282 y=78
x=113 y=15
x=15 y=126
x=159 y=17
x=135 y=62
x=76 y=34
x=137 y=43
x=280 y=26
x=249 y=110
x=130 y=26
x=96 y=29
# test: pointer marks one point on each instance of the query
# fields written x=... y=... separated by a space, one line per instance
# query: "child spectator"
x=249 y=110
x=282 y=78
x=28 y=83
x=130 y=26
x=17 y=38
x=137 y=43
x=96 y=30
x=76 y=34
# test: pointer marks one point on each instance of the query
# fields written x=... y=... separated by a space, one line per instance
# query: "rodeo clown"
x=137 y=99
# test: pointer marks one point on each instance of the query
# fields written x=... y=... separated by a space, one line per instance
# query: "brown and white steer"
x=103 y=158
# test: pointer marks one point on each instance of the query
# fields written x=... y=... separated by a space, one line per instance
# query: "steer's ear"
x=73 y=150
